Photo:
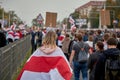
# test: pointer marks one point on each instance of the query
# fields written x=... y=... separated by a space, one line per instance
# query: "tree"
x=75 y=15
x=34 y=22
x=1 y=12
x=94 y=18
x=115 y=11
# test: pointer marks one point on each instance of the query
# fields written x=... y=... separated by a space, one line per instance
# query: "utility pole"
x=3 y=18
x=9 y=17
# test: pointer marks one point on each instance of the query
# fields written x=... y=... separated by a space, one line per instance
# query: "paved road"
x=80 y=77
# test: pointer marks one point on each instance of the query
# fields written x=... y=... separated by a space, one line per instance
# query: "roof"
x=91 y=3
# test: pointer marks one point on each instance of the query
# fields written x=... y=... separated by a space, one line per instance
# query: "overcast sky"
x=29 y=9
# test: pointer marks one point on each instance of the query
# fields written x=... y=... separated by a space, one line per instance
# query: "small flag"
x=71 y=20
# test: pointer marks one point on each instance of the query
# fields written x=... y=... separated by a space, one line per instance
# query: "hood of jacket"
x=47 y=50
x=112 y=52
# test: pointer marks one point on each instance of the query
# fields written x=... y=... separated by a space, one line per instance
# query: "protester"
x=40 y=35
x=65 y=45
x=61 y=38
x=47 y=63
x=16 y=34
x=72 y=42
x=33 y=39
x=94 y=58
x=90 y=43
x=98 y=37
x=118 y=38
x=104 y=62
x=106 y=37
x=85 y=36
x=77 y=65
x=2 y=37
x=10 y=36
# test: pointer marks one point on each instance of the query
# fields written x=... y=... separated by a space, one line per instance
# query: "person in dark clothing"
x=58 y=32
x=98 y=37
x=85 y=36
x=72 y=42
x=94 y=58
x=40 y=35
x=78 y=66
x=33 y=40
x=2 y=37
x=118 y=38
x=110 y=52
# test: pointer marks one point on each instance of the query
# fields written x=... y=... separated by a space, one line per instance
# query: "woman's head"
x=50 y=39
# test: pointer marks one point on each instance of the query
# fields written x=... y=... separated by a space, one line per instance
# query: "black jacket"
x=100 y=66
x=92 y=63
x=2 y=39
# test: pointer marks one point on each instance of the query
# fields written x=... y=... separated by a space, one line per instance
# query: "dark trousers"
x=67 y=56
x=80 y=67
x=34 y=47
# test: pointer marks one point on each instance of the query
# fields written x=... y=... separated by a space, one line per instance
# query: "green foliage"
x=115 y=10
x=65 y=20
x=75 y=15
x=94 y=18
x=1 y=11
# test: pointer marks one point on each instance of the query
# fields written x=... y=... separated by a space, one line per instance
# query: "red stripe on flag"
x=44 y=64
x=60 y=38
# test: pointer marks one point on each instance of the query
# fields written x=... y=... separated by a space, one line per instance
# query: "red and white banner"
x=41 y=66
x=13 y=26
x=64 y=27
x=71 y=20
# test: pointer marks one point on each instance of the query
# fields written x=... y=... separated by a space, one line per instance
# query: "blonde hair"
x=50 y=39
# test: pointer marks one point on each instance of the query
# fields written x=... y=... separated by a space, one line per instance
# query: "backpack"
x=2 y=39
x=112 y=68
x=83 y=55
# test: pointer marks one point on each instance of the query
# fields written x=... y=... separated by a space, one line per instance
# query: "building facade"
x=85 y=10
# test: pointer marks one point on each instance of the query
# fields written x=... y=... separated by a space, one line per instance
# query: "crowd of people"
x=47 y=62
x=61 y=53
x=9 y=34
x=99 y=45
x=96 y=52
x=103 y=55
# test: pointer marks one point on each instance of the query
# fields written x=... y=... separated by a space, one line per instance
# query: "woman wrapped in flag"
x=47 y=62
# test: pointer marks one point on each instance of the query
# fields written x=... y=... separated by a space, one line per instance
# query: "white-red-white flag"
x=41 y=66
x=10 y=35
x=13 y=26
x=71 y=20
x=64 y=26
